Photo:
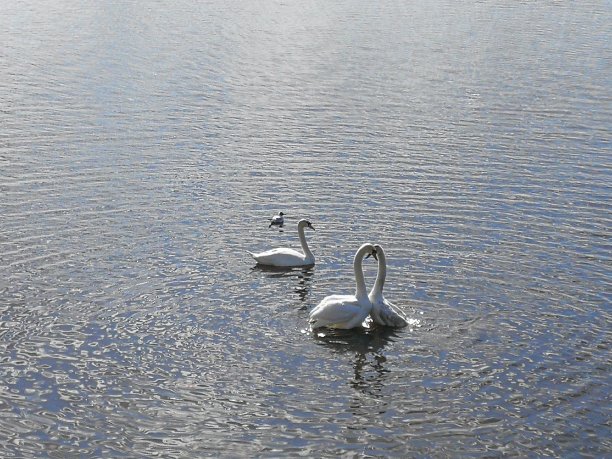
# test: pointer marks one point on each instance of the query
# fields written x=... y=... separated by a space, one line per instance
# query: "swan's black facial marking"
x=372 y=254
x=310 y=225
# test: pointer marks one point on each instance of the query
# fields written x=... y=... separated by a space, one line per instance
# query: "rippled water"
x=145 y=145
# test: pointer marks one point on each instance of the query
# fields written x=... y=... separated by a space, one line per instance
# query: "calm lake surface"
x=145 y=145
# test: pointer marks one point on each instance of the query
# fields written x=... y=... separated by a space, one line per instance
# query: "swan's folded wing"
x=274 y=256
x=391 y=316
x=330 y=302
x=335 y=309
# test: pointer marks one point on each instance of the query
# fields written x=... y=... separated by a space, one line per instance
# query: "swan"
x=277 y=220
x=383 y=311
x=345 y=311
x=285 y=257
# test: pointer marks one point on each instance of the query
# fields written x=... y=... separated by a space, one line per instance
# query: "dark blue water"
x=143 y=148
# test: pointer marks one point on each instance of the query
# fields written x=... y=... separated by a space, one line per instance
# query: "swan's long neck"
x=305 y=248
x=361 y=292
x=381 y=275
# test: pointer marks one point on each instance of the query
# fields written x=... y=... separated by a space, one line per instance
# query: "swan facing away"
x=277 y=220
x=285 y=257
x=383 y=311
x=345 y=311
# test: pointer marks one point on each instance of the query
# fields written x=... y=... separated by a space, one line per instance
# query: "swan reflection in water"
x=367 y=346
x=304 y=275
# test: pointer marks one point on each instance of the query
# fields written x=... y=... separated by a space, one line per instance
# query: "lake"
x=144 y=146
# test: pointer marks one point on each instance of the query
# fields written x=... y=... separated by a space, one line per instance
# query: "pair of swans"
x=342 y=311
x=349 y=311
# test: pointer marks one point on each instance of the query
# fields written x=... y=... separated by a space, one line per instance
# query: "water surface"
x=144 y=147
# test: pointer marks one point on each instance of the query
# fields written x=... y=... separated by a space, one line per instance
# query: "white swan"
x=345 y=311
x=284 y=257
x=277 y=220
x=383 y=311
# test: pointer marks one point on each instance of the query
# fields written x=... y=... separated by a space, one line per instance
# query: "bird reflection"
x=304 y=276
x=367 y=345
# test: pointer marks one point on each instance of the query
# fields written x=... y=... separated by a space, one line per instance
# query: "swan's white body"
x=383 y=311
x=277 y=219
x=345 y=311
x=285 y=257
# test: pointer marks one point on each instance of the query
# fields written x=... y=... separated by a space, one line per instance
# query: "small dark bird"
x=277 y=220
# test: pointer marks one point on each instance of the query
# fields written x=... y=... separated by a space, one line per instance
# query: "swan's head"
x=372 y=252
x=379 y=251
x=306 y=224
